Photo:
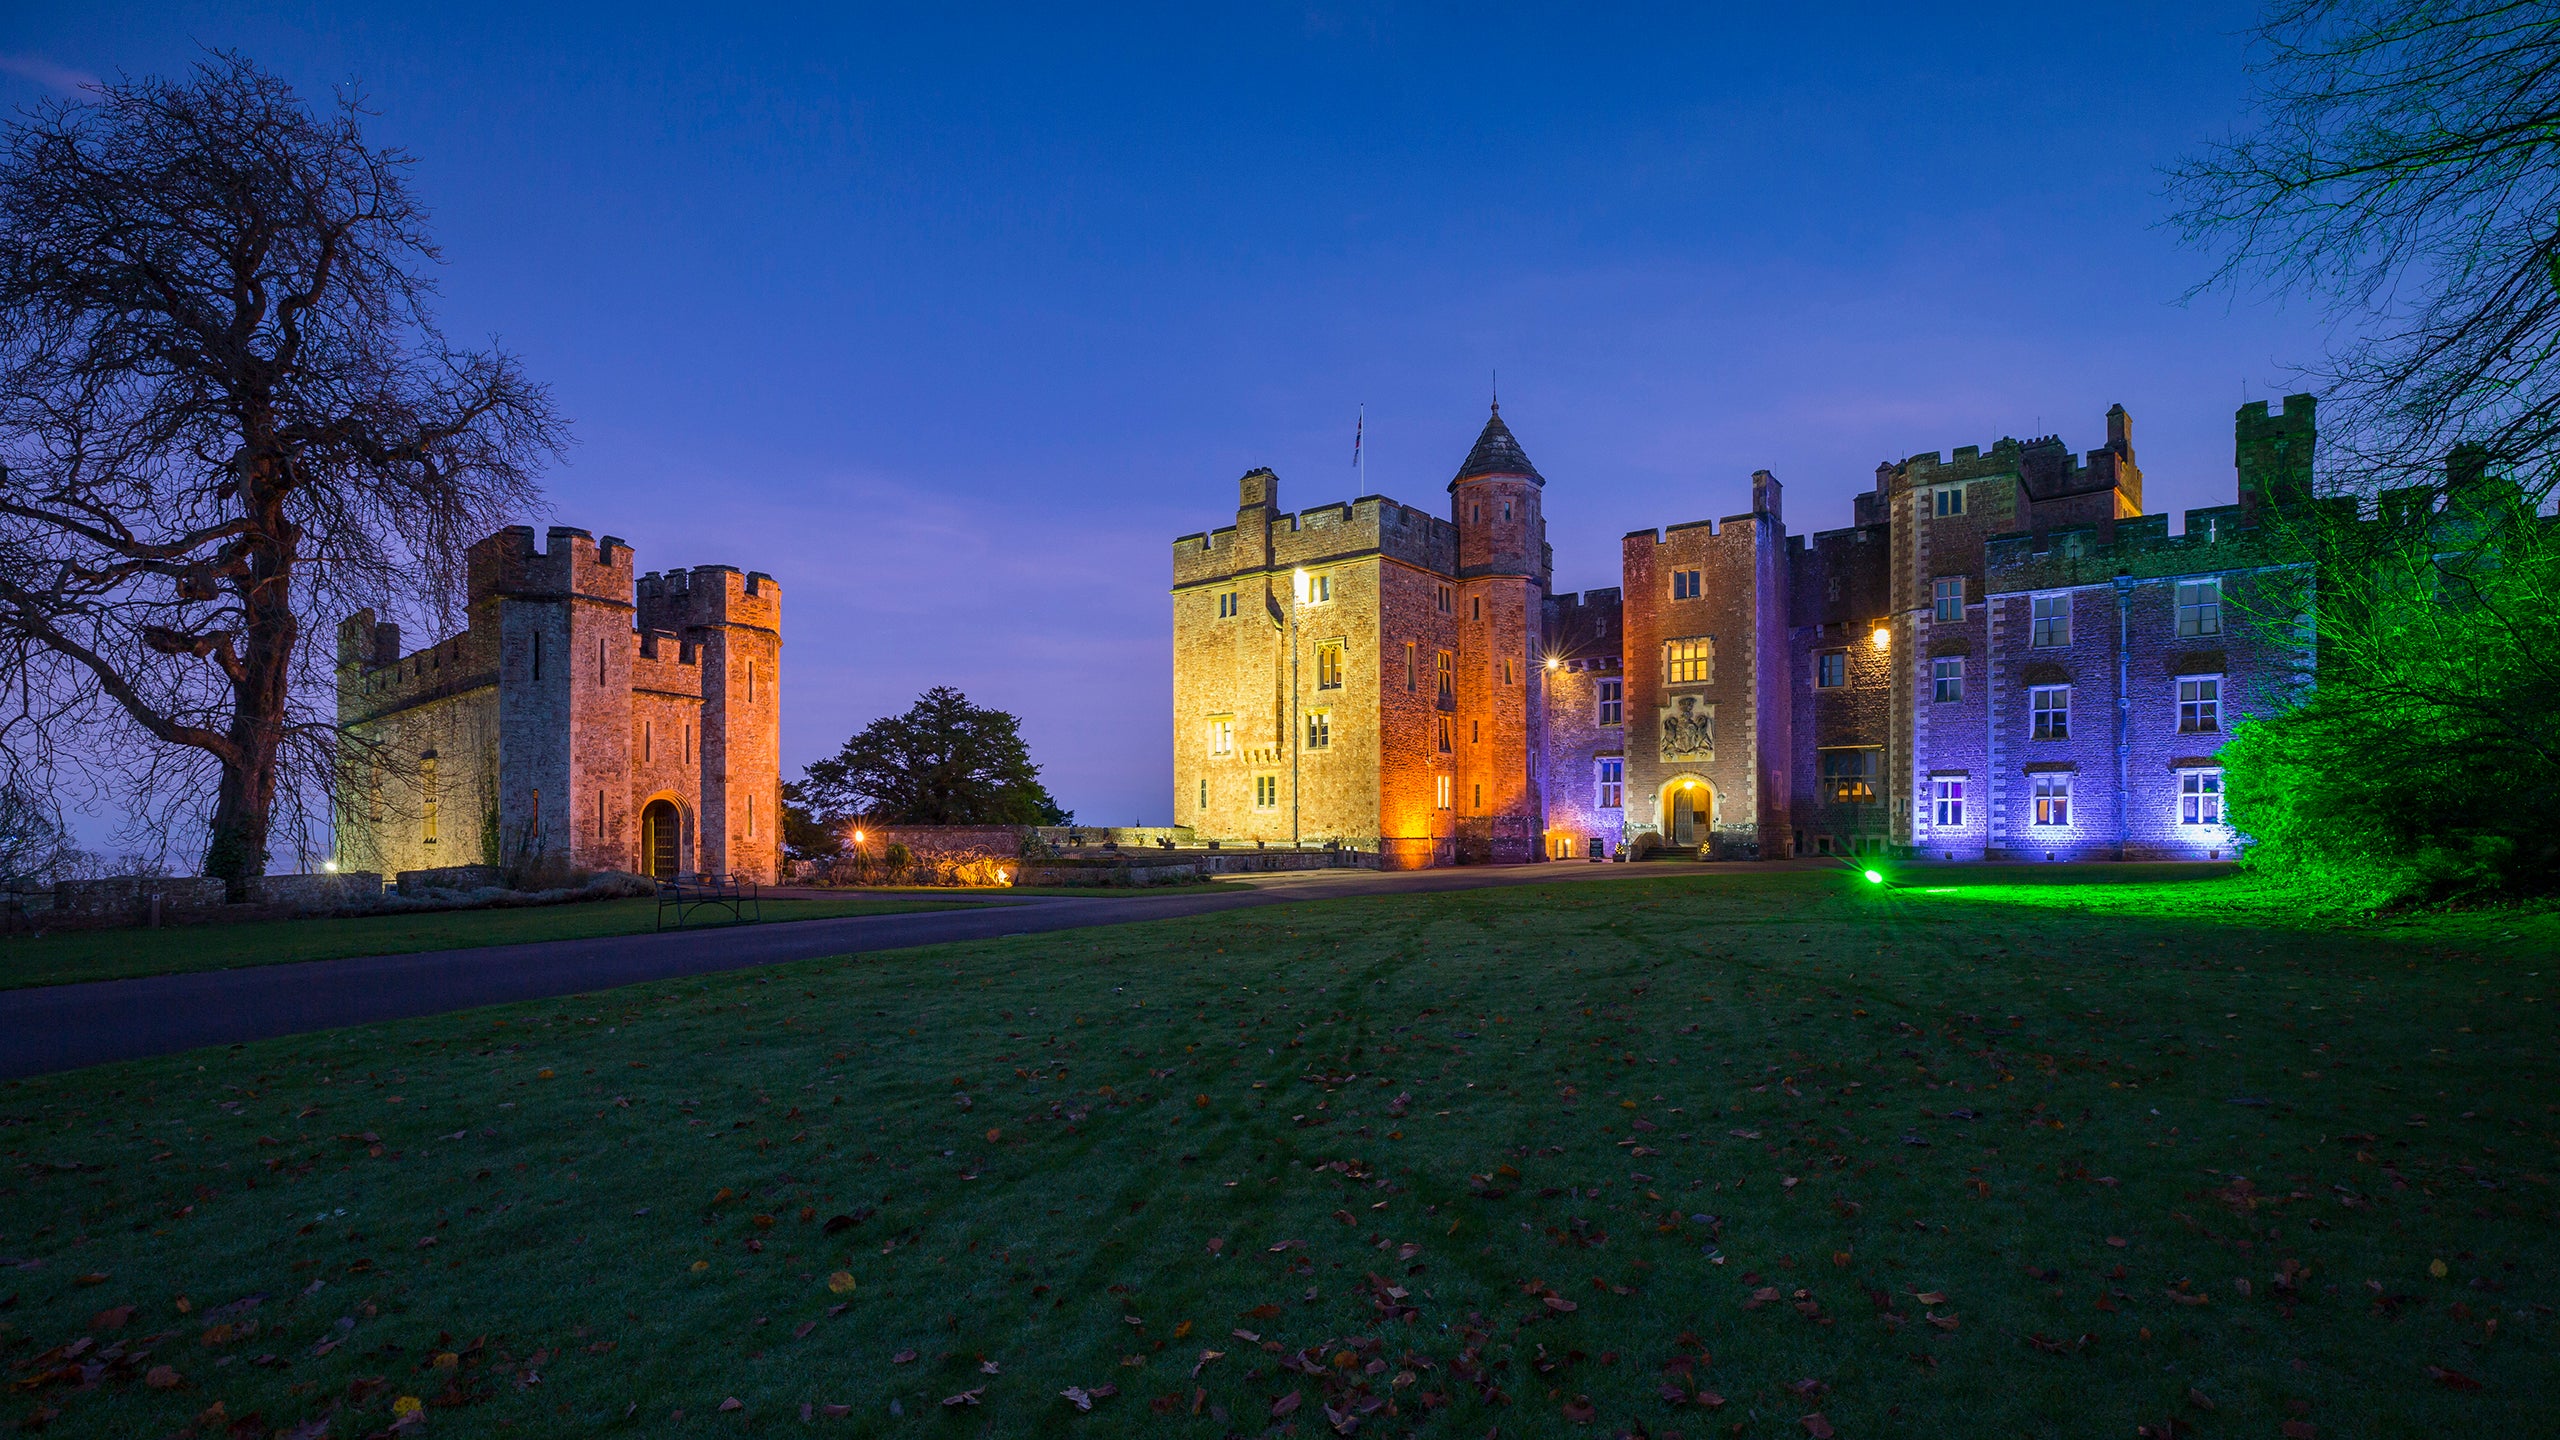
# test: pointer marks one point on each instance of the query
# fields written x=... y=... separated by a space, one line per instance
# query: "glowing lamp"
x=1882 y=639
x=1875 y=877
x=1688 y=784
x=329 y=865
x=1552 y=662
x=857 y=837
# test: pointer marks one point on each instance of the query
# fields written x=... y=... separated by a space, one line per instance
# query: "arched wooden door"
x=660 y=831
x=1684 y=817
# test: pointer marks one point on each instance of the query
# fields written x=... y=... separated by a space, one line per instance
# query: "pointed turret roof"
x=1497 y=452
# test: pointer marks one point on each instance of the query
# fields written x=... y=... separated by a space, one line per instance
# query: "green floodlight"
x=1875 y=877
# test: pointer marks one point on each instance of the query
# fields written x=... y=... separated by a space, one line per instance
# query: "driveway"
x=65 y=1027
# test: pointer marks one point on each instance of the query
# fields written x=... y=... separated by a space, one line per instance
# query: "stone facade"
x=2001 y=657
x=588 y=716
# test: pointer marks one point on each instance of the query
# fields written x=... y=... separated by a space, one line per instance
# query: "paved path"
x=64 y=1027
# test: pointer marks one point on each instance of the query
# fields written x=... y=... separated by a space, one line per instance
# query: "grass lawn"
x=76 y=955
x=2058 y=1154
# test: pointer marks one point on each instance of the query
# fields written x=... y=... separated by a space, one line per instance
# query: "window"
x=2200 y=705
x=599 y=659
x=1849 y=776
x=646 y=728
x=1319 y=729
x=1479 y=800
x=1613 y=707
x=1227 y=605
x=1266 y=792
x=1444 y=734
x=1408 y=667
x=1506 y=509
x=1613 y=782
x=1950 y=599
x=1475 y=732
x=1204 y=793
x=1448 y=685
x=1684 y=584
x=2199 y=607
x=1475 y=607
x=2051 y=617
x=2199 y=797
x=1222 y=735
x=537 y=656
x=751 y=699
x=1946 y=799
x=1946 y=679
x=1442 y=792
x=427 y=783
x=1329 y=666
x=1506 y=670
x=1831 y=669
x=2052 y=799
x=1691 y=661
x=1947 y=500
x=1831 y=588
x=2050 y=708
x=1445 y=596
x=688 y=744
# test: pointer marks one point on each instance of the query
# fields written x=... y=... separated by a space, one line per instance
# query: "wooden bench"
x=733 y=897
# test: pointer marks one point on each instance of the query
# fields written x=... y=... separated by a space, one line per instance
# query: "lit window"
x=1849 y=776
x=2051 y=615
x=1690 y=661
x=1319 y=729
x=1831 y=669
x=2199 y=607
x=1613 y=702
x=1448 y=686
x=2050 y=707
x=1222 y=735
x=1266 y=792
x=1613 y=782
x=2200 y=705
x=1684 y=584
x=1329 y=666
x=2199 y=797
x=1946 y=679
x=1442 y=789
x=434 y=800
x=1947 y=500
x=2053 y=799
x=1946 y=800
x=1950 y=599
x=1408 y=667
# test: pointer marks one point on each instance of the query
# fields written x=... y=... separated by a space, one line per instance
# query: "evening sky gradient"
x=951 y=318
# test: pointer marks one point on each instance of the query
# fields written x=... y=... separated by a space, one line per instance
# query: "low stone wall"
x=1112 y=873
x=129 y=897
x=1127 y=837
x=332 y=890
x=945 y=842
x=451 y=877
x=1248 y=862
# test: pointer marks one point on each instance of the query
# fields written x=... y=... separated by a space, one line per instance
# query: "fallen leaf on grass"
x=902 y=1357
x=965 y=1397
x=841 y=1282
x=1285 y=1405
x=1931 y=1297
x=2451 y=1379
x=111 y=1319
x=1817 y=1427
x=732 y=1403
x=162 y=1377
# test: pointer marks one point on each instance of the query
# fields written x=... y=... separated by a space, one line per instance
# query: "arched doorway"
x=661 y=834
x=1688 y=811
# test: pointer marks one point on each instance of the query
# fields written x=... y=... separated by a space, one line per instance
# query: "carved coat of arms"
x=1688 y=729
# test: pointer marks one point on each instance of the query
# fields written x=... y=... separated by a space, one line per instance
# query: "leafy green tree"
x=944 y=762
x=805 y=836
x=2424 y=764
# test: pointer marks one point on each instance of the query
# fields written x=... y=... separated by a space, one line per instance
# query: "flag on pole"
x=1358 y=429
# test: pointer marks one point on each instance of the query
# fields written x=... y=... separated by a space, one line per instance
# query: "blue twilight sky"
x=952 y=317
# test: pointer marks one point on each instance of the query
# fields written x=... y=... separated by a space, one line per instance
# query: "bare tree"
x=2404 y=166
x=224 y=406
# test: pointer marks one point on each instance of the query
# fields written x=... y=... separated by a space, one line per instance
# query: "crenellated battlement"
x=570 y=563
x=2217 y=537
x=1318 y=534
x=706 y=595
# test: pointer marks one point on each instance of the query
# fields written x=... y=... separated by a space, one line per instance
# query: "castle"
x=586 y=716
x=2002 y=657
